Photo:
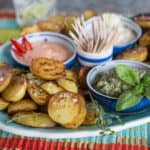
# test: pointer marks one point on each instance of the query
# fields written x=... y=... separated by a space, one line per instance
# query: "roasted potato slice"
x=3 y=104
x=71 y=75
x=48 y=69
x=143 y=20
x=145 y=39
x=51 y=26
x=67 y=109
x=37 y=80
x=57 y=19
x=29 y=29
x=23 y=105
x=138 y=53
x=51 y=87
x=68 y=85
x=16 y=90
x=33 y=119
x=89 y=13
x=38 y=95
x=82 y=76
x=69 y=21
x=6 y=73
x=79 y=119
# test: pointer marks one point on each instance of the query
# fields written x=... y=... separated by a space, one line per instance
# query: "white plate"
x=130 y=120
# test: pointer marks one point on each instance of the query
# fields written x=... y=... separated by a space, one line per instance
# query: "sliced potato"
x=52 y=26
x=145 y=39
x=82 y=76
x=33 y=119
x=68 y=85
x=29 y=29
x=138 y=53
x=89 y=13
x=63 y=107
x=71 y=75
x=38 y=95
x=6 y=73
x=23 y=105
x=51 y=87
x=67 y=109
x=16 y=90
x=3 y=104
x=48 y=69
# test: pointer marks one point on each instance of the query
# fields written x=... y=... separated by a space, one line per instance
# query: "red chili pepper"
x=18 y=46
x=26 y=43
x=17 y=52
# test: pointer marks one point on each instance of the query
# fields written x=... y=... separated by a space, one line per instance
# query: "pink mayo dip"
x=53 y=50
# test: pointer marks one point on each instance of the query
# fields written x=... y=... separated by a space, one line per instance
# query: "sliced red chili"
x=18 y=46
x=26 y=43
x=17 y=52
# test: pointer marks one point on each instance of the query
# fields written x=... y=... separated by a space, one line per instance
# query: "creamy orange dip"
x=53 y=50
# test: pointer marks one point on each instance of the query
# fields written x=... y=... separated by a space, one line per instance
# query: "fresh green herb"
x=127 y=74
x=102 y=121
x=140 y=87
x=127 y=100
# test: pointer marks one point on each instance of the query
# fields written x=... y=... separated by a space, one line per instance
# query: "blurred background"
x=121 y=6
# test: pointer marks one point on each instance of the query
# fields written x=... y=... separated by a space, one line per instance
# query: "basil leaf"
x=146 y=81
x=138 y=89
x=127 y=74
x=127 y=100
x=147 y=92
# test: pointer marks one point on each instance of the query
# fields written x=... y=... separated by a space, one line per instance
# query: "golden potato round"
x=33 y=119
x=138 y=53
x=89 y=13
x=37 y=94
x=16 y=90
x=51 y=87
x=6 y=73
x=71 y=75
x=145 y=39
x=48 y=69
x=82 y=76
x=3 y=104
x=79 y=119
x=23 y=105
x=52 y=26
x=29 y=29
x=68 y=85
x=65 y=107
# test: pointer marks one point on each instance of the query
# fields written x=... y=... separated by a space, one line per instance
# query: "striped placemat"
x=131 y=139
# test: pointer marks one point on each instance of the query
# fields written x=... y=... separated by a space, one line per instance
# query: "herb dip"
x=110 y=84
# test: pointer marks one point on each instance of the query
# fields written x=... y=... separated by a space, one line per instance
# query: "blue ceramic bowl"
x=52 y=37
x=108 y=102
x=135 y=28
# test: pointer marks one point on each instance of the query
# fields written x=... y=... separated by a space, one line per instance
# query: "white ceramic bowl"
x=93 y=59
x=126 y=22
x=52 y=37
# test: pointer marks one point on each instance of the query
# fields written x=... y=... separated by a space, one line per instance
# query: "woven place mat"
x=131 y=139
x=134 y=138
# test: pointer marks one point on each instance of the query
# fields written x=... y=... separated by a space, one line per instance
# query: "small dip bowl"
x=108 y=102
x=126 y=22
x=48 y=37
